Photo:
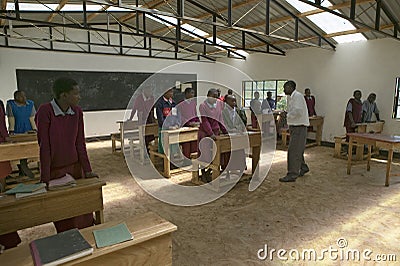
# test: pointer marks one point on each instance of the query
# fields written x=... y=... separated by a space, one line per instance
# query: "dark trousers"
x=295 y=154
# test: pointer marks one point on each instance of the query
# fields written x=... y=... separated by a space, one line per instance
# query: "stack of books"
x=66 y=181
x=59 y=248
x=26 y=190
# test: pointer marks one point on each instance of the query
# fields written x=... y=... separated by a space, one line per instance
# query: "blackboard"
x=100 y=90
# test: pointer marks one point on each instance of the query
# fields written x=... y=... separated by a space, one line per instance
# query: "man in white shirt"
x=297 y=119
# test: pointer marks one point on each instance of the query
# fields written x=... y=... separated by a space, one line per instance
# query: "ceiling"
x=187 y=29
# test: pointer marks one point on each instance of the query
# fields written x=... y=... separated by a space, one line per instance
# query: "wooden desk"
x=19 y=150
x=126 y=129
x=376 y=127
x=318 y=123
x=389 y=142
x=151 y=245
x=86 y=197
x=176 y=136
x=239 y=141
x=23 y=137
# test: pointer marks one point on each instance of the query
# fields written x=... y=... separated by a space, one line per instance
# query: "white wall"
x=332 y=76
x=96 y=123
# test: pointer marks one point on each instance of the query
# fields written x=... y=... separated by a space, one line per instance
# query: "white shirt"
x=297 y=112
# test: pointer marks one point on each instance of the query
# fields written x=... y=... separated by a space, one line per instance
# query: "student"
x=255 y=107
x=369 y=107
x=310 y=101
x=268 y=103
x=143 y=105
x=187 y=111
x=8 y=240
x=21 y=113
x=62 y=143
x=353 y=113
x=167 y=117
x=233 y=124
x=211 y=125
x=298 y=121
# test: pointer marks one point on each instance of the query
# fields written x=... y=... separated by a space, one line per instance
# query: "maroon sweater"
x=62 y=143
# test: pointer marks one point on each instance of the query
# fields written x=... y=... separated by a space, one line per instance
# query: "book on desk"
x=26 y=190
x=62 y=182
x=59 y=248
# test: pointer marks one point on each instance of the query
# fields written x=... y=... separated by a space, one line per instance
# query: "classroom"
x=291 y=148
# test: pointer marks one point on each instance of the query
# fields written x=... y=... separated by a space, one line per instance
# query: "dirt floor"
x=313 y=213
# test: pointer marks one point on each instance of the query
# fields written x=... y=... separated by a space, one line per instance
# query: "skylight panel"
x=31 y=7
x=328 y=22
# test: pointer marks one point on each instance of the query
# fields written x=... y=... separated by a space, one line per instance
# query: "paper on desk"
x=112 y=235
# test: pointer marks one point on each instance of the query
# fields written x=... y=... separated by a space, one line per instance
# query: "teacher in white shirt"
x=297 y=119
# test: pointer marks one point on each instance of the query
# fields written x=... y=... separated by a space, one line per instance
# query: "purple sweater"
x=62 y=142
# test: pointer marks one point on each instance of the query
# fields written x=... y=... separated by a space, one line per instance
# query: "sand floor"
x=312 y=213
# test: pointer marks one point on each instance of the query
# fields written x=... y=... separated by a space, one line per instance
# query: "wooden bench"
x=151 y=245
x=139 y=144
x=167 y=171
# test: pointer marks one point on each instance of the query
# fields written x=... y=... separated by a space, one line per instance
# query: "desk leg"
x=360 y=152
x=318 y=136
x=255 y=160
x=349 y=155
x=369 y=157
x=167 y=152
x=388 y=166
x=99 y=217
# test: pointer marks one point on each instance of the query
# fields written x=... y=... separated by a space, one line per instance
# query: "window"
x=249 y=87
x=396 y=103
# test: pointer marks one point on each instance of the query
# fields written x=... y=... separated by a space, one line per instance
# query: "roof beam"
x=330 y=35
x=152 y=4
x=59 y=7
x=300 y=15
x=205 y=15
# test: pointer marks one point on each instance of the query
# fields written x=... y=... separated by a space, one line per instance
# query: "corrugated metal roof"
x=246 y=14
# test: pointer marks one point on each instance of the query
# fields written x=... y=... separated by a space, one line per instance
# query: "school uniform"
x=235 y=160
x=211 y=124
x=187 y=111
x=144 y=107
x=310 y=102
x=255 y=107
x=166 y=118
x=355 y=108
x=11 y=239
x=63 y=150
x=21 y=115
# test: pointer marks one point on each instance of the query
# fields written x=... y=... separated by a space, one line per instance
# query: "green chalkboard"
x=100 y=90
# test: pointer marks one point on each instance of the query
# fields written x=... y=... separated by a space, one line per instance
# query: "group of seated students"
x=60 y=133
x=218 y=115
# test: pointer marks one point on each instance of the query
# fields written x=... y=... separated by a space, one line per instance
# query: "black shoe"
x=303 y=172
x=287 y=179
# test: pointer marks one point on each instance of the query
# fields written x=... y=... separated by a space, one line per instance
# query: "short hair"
x=16 y=93
x=188 y=89
x=212 y=91
x=307 y=89
x=291 y=84
x=354 y=93
x=230 y=92
x=63 y=85
x=269 y=92
x=372 y=94
x=256 y=92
